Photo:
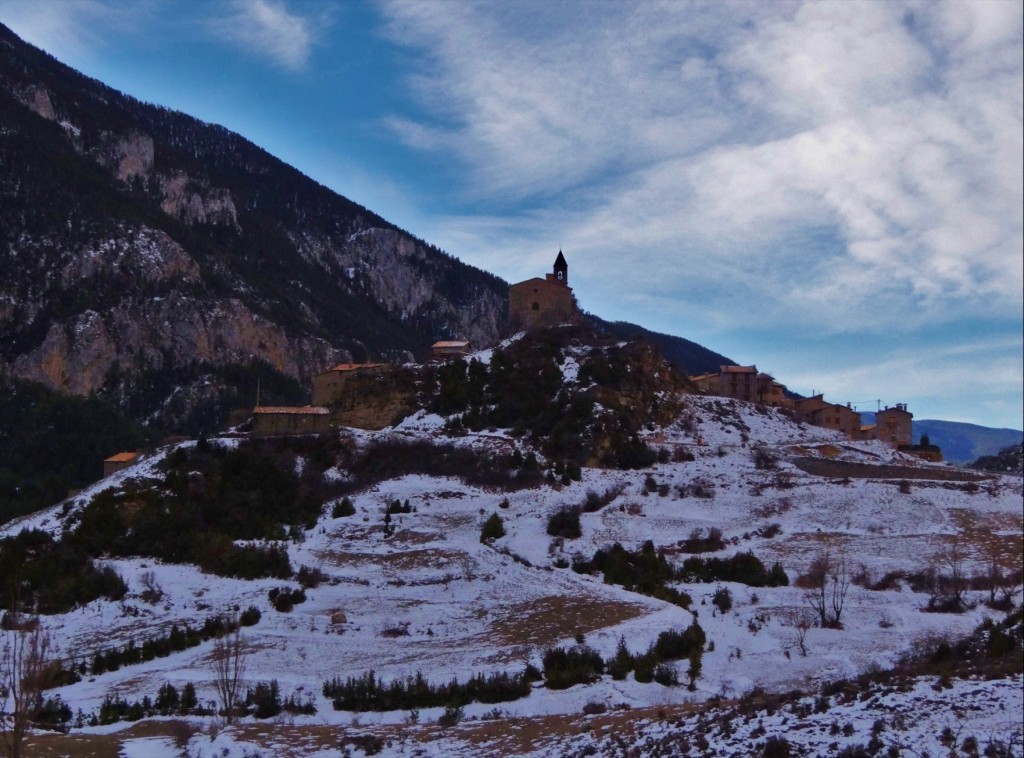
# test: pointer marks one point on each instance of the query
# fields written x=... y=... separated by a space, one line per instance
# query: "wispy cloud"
x=74 y=28
x=692 y=142
x=265 y=28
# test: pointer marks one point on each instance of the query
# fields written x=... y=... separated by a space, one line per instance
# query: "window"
x=536 y=306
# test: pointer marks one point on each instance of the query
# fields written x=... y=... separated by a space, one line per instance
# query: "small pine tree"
x=493 y=529
x=696 y=664
x=344 y=508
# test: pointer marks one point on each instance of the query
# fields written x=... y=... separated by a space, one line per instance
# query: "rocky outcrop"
x=165 y=332
x=134 y=156
x=404 y=277
x=140 y=256
x=188 y=201
x=38 y=101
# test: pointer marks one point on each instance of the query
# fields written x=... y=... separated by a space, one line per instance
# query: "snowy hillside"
x=416 y=591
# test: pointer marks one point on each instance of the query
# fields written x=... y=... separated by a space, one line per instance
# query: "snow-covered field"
x=433 y=599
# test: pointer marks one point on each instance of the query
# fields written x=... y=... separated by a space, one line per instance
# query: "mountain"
x=960 y=442
x=148 y=254
x=604 y=566
x=141 y=244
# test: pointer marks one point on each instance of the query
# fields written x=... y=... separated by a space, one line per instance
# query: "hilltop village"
x=370 y=395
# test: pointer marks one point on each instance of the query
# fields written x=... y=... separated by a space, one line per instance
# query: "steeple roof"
x=560 y=261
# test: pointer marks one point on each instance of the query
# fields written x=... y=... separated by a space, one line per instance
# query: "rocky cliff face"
x=136 y=240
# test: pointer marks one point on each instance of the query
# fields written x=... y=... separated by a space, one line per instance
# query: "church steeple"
x=561 y=269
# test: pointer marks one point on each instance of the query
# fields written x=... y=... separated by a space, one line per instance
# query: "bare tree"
x=228 y=664
x=802 y=624
x=840 y=578
x=26 y=660
x=948 y=594
x=826 y=585
x=1002 y=577
x=816 y=585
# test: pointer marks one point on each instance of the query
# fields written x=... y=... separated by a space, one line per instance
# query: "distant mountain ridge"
x=147 y=255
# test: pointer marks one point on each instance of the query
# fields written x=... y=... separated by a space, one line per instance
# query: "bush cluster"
x=44 y=575
x=178 y=639
x=285 y=598
x=699 y=542
x=263 y=701
x=168 y=702
x=564 y=667
x=744 y=568
x=391 y=459
x=211 y=497
x=643 y=571
x=654 y=664
x=522 y=389
x=369 y=693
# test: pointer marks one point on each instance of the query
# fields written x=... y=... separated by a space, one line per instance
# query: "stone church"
x=543 y=302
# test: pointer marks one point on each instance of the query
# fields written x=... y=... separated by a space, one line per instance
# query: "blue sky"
x=830 y=190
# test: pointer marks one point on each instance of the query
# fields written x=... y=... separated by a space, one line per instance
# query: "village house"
x=329 y=386
x=895 y=425
x=743 y=383
x=118 y=462
x=818 y=412
x=447 y=350
x=279 y=419
x=543 y=302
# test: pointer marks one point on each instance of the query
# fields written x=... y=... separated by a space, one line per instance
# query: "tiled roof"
x=354 y=366
x=451 y=343
x=310 y=410
x=739 y=369
x=121 y=457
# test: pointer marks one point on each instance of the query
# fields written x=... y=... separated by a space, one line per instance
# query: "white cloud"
x=267 y=28
x=687 y=146
x=72 y=28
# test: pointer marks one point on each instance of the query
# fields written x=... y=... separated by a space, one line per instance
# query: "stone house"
x=742 y=383
x=448 y=349
x=895 y=426
x=543 y=302
x=818 y=412
x=279 y=419
x=329 y=386
x=118 y=461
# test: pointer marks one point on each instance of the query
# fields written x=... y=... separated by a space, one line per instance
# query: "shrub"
x=452 y=715
x=776 y=747
x=698 y=543
x=565 y=522
x=595 y=502
x=621 y=663
x=665 y=674
x=492 y=529
x=284 y=598
x=722 y=599
x=310 y=577
x=250 y=616
x=343 y=509
x=264 y=699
